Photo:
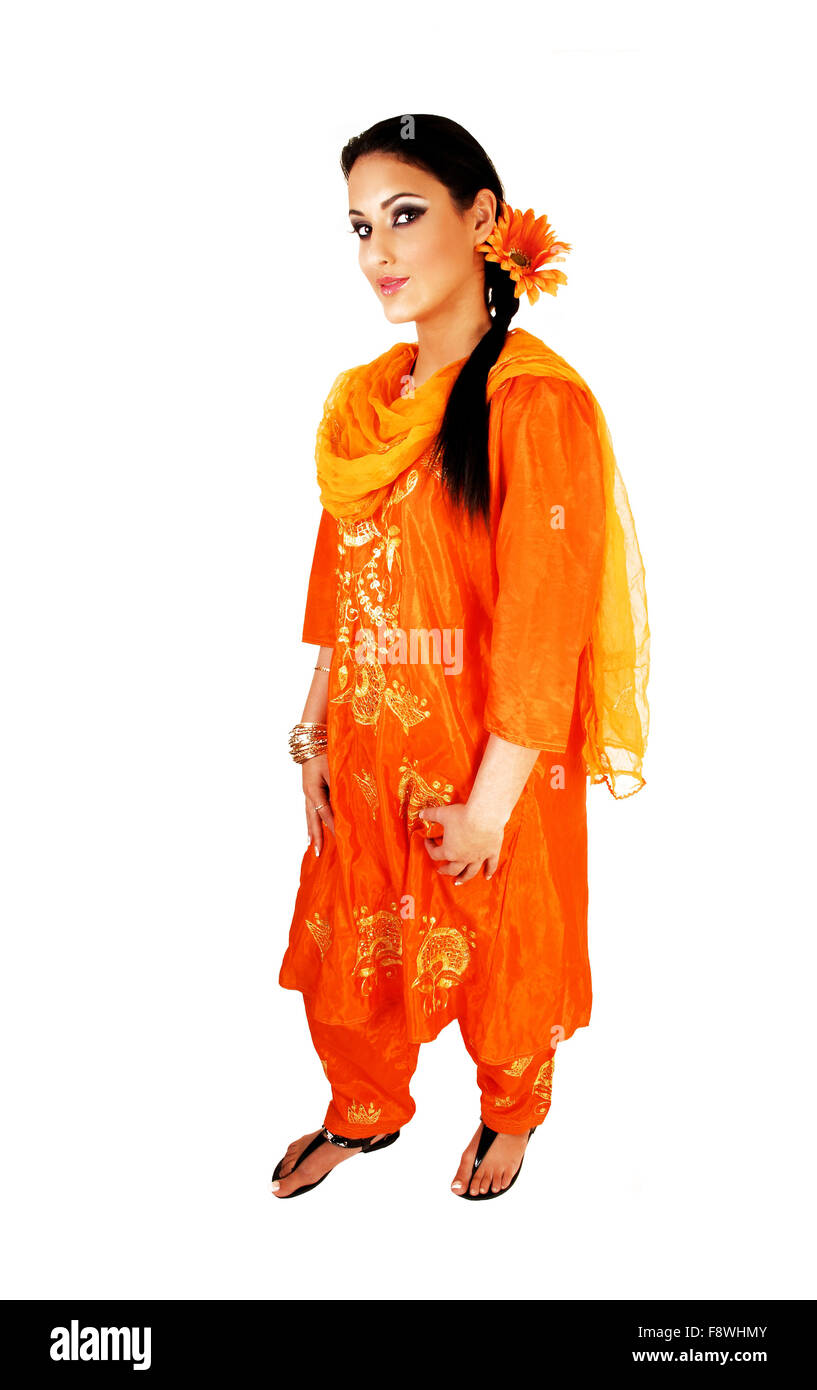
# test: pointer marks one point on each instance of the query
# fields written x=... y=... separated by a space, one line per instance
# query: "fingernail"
x=457 y=882
x=489 y=875
x=273 y=1187
x=317 y=851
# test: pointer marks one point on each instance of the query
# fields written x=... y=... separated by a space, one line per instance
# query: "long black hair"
x=449 y=153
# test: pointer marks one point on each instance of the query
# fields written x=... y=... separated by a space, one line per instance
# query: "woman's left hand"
x=466 y=843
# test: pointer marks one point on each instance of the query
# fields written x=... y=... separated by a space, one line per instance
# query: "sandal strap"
x=486 y=1139
x=368 y=1144
x=341 y=1140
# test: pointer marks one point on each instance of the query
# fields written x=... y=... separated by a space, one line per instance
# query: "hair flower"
x=524 y=244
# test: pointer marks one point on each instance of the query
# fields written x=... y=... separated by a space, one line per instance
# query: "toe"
x=498 y=1167
x=291 y=1156
x=286 y=1166
x=484 y=1181
x=481 y=1180
x=287 y=1179
x=463 y=1173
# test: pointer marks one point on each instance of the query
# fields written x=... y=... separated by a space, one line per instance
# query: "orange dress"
x=485 y=631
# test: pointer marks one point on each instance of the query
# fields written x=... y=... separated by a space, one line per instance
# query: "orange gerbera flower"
x=523 y=244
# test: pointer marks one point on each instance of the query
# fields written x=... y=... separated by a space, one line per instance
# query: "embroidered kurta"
x=472 y=630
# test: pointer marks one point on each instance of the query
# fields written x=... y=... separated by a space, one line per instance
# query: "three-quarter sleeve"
x=549 y=550
x=321 y=597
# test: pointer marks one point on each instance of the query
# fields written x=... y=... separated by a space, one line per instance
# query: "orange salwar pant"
x=369 y=1067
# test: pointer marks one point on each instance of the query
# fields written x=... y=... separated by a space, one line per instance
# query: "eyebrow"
x=393 y=199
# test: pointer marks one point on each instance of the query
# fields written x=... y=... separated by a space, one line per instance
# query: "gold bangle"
x=323 y=668
x=316 y=752
x=308 y=753
x=307 y=740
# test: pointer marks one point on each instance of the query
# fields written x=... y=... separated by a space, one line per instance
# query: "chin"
x=395 y=315
x=393 y=310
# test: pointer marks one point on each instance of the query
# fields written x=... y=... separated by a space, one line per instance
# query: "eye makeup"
x=415 y=214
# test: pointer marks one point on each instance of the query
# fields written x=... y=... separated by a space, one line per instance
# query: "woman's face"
x=410 y=231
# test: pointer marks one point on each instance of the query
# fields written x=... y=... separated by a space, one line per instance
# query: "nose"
x=378 y=248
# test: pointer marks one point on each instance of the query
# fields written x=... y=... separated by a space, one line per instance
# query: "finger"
x=435 y=850
x=323 y=810
x=315 y=828
x=470 y=871
x=316 y=794
x=491 y=865
x=453 y=867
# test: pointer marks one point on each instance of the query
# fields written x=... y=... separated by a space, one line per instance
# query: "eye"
x=412 y=213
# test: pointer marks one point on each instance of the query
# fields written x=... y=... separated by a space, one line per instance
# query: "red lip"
x=388 y=281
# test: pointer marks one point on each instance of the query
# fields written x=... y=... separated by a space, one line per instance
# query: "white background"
x=178 y=294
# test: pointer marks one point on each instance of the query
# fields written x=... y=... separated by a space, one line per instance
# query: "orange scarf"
x=370 y=433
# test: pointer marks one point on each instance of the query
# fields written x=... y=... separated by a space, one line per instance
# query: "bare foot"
x=326 y=1156
x=497 y=1167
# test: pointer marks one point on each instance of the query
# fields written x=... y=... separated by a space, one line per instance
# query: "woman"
x=477 y=597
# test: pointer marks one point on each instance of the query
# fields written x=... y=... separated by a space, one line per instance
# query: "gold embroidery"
x=401 y=490
x=392 y=542
x=366 y=696
x=372 y=592
x=543 y=1086
x=501 y=1101
x=399 y=700
x=398 y=439
x=380 y=945
x=518 y=1066
x=325 y=1065
x=414 y=791
x=626 y=701
x=358 y=533
x=363 y=1114
x=353 y=534
x=442 y=959
x=369 y=788
x=322 y=932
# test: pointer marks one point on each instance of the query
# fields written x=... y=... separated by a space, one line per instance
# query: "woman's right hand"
x=315 y=779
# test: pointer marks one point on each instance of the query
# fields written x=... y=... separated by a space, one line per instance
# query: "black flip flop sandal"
x=486 y=1139
x=368 y=1145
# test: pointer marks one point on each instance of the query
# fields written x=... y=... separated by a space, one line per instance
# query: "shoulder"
x=534 y=378
x=531 y=401
x=548 y=436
